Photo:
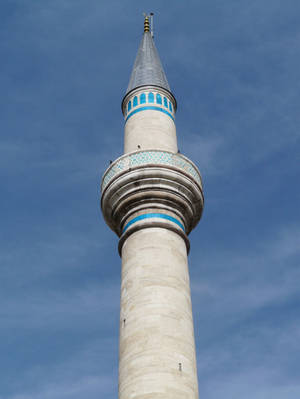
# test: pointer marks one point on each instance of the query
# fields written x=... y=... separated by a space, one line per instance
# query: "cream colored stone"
x=150 y=130
x=157 y=350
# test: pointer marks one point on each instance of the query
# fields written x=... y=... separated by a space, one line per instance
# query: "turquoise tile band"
x=152 y=108
x=153 y=215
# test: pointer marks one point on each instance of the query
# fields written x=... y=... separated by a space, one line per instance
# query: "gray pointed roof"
x=147 y=68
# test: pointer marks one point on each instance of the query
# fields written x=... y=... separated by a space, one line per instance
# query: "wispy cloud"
x=246 y=329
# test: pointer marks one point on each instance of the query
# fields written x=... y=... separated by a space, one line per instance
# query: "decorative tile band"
x=152 y=108
x=151 y=216
x=153 y=157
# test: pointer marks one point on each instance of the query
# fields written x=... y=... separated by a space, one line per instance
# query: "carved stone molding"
x=144 y=182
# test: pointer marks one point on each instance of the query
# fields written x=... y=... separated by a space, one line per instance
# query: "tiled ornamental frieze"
x=153 y=157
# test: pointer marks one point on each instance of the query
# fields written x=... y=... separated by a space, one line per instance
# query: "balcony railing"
x=151 y=157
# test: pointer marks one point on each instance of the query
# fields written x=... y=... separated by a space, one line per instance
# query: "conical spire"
x=147 y=68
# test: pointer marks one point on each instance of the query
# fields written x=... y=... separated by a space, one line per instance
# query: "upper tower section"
x=152 y=184
x=149 y=105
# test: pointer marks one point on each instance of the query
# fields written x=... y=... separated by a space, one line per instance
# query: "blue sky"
x=234 y=68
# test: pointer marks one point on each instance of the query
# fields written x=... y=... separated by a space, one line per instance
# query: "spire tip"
x=146 y=23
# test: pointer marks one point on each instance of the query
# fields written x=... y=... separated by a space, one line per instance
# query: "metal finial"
x=146 y=24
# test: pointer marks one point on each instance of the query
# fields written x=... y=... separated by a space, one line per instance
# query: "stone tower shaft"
x=152 y=198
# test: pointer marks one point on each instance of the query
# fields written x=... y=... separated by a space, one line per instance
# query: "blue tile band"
x=152 y=108
x=153 y=215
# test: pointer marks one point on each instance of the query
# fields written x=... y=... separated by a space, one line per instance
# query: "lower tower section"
x=152 y=200
x=157 y=350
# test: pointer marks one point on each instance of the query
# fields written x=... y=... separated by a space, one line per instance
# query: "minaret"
x=152 y=198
